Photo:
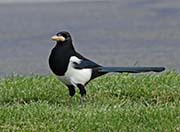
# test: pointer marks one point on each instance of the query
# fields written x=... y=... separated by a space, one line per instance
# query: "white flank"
x=75 y=76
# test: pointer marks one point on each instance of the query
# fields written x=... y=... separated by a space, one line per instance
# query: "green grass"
x=120 y=102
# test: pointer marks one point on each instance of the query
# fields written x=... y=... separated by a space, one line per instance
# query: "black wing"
x=85 y=64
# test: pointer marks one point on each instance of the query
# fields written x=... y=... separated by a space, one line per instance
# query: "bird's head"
x=62 y=37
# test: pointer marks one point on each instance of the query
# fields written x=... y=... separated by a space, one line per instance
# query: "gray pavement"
x=112 y=33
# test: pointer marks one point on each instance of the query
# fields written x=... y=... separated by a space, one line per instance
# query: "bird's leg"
x=82 y=92
x=81 y=100
x=71 y=92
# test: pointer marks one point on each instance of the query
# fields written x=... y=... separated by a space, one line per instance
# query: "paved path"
x=114 y=33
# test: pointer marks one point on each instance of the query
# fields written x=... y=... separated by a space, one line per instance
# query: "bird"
x=76 y=71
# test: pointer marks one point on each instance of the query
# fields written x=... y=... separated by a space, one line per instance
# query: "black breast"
x=59 y=60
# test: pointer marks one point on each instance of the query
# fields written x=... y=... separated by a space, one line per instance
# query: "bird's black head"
x=62 y=37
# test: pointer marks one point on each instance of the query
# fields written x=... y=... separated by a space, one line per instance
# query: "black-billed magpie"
x=74 y=70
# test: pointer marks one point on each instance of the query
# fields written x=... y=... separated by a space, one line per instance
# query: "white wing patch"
x=76 y=76
x=74 y=59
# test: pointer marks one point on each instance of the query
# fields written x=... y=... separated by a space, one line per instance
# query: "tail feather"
x=131 y=69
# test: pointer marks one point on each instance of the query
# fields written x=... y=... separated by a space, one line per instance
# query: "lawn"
x=114 y=103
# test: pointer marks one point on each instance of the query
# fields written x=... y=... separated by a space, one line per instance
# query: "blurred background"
x=111 y=32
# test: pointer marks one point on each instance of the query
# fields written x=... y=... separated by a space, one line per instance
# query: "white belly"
x=75 y=76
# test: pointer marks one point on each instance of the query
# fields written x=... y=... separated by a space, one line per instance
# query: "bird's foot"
x=82 y=100
x=70 y=101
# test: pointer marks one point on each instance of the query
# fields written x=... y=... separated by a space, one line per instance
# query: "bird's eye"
x=58 y=34
x=64 y=35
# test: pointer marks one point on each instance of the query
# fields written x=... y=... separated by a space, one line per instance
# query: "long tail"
x=131 y=69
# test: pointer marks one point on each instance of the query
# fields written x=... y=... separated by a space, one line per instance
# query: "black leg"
x=82 y=92
x=82 y=89
x=71 y=90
